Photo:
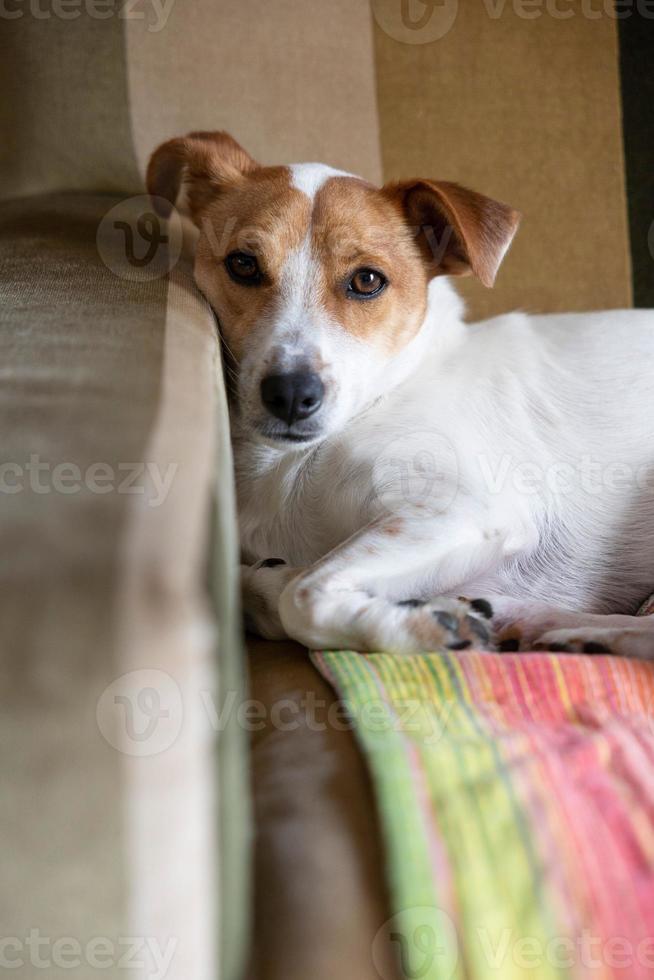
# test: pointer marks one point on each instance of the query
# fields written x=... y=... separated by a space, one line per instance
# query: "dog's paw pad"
x=414 y=626
x=447 y=620
x=462 y=623
x=270 y=563
x=592 y=646
x=509 y=645
x=478 y=628
x=483 y=607
x=459 y=645
x=570 y=641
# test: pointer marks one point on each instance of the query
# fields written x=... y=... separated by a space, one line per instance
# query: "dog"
x=406 y=481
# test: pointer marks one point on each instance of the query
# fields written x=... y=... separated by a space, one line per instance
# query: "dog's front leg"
x=353 y=598
x=261 y=587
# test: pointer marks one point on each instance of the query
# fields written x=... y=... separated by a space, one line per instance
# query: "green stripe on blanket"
x=517 y=801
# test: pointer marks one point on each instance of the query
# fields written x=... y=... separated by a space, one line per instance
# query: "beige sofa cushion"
x=525 y=108
x=107 y=415
x=85 y=100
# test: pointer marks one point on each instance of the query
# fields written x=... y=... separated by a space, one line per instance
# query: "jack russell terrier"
x=391 y=459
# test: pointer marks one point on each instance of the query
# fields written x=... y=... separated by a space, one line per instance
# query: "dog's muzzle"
x=292 y=397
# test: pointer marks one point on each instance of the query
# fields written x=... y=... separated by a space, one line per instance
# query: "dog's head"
x=319 y=279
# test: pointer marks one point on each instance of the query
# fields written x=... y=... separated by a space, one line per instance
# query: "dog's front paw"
x=356 y=620
x=261 y=586
x=451 y=624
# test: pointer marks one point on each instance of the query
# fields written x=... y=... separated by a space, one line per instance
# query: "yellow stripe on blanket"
x=516 y=796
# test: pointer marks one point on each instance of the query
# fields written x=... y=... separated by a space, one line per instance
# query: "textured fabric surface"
x=517 y=803
x=101 y=377
x=165 y=630
x=525 y=109
x=291 y=81
x=320 y=895
x=64 y=106
x=636 y=56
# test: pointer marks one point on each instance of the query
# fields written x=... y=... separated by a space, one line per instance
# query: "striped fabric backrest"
x=520 y=99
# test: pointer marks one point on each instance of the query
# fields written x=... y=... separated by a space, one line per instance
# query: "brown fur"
x=205 y=161
x=261 y=214
x=354 y=226
x=409 y=232
x=458 y=230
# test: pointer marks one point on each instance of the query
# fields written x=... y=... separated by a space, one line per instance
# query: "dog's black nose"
x=293 y=396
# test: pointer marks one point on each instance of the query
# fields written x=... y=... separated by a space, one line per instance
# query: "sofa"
x=143 y=814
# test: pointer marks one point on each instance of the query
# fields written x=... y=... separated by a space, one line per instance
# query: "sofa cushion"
x=86 y=97
x=107 y=416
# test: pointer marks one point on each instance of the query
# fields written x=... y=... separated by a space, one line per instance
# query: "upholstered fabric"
x=636 y=50
x=319 y=866
x=64 y=104
x=528 y=108
x=99 y=368
x=292 y=81
x=108 y=829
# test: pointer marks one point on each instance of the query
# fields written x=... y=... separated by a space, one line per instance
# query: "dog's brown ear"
x=202 y=161
x=458 y=230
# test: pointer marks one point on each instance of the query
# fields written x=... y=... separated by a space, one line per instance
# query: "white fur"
x=309 y=177
x=475 y=410
x=299 y=333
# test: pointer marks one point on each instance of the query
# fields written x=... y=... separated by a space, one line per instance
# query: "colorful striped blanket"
x=516 y=795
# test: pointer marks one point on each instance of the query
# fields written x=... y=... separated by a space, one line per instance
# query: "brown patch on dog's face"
x=320 y=280
x=261 y=215
x=406 y=232
x=350 y=226
x=356 y=226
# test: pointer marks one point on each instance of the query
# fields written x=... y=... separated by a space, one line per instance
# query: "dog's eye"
x=366 y=282
x=243 y=268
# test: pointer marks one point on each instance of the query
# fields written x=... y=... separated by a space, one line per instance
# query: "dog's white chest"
x=273 y=513
x=297 y=510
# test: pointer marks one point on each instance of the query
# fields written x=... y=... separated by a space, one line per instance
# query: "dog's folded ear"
x=203 y=162
x=458 y=230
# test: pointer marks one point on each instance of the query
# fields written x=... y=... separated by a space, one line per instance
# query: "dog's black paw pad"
x=271 y=562
x=559 y=647
x=478 y=629
x=483 y=607
x=510 y=645
x=411 y=603
x=446 y=620
x=459 y=645
x=591 y=646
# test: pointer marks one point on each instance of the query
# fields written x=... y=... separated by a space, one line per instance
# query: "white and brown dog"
x=391 y=458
